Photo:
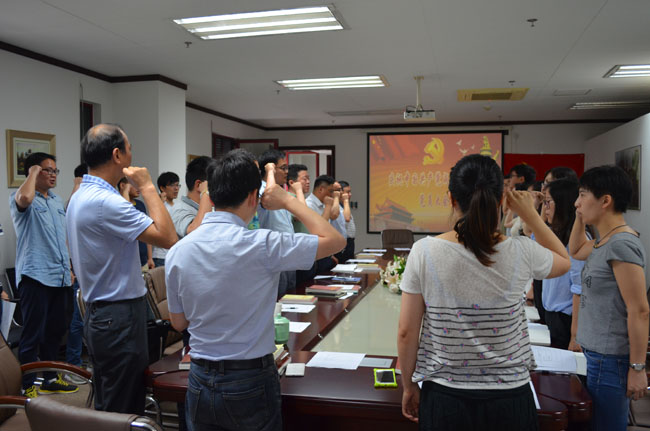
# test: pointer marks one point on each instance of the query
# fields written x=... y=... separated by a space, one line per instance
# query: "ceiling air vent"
x=485 y=94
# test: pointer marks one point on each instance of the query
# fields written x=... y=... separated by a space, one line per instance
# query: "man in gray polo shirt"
x=103 y=230
x=221 y=285
x=188 y=212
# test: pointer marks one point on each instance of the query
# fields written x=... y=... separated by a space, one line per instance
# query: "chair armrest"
x=34 y=367
x=12 y=402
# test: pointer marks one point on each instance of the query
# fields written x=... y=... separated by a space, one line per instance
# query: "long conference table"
x=330 y=399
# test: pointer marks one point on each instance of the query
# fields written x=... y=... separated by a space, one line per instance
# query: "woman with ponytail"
x=461 y=331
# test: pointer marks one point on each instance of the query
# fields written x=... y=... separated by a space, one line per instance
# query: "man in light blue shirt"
x=103 y=229
x=42 y=269
x=221 y=285
x=277 y=220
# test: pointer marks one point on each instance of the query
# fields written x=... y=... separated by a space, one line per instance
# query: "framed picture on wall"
x=20 y=145
x=629 y=160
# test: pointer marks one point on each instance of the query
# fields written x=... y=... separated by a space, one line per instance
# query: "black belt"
x=121 y=301
x=236 y=364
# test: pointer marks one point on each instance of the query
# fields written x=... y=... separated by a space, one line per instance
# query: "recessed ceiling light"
x=301 y=20
x=638 y=104
x=628 y=71
x=329 y=83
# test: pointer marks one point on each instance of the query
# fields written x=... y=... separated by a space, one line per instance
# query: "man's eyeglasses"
x=284 y=168
x=175 y=185
x=50 y=171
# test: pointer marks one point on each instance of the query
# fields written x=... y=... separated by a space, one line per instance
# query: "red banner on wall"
x=544 y=162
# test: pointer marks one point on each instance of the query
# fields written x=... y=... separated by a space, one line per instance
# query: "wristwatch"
x=637 y=367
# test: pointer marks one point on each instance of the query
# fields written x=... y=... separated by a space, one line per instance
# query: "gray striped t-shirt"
x=474 y=331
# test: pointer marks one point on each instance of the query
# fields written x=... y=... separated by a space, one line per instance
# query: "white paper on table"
x=344 y=268
x=539 y=334
x=361 y=260
x=298 y=327
x=347 y=295
x=357 y=270
x=532 y=314
x=402 y=248
x=376 y=362
x=558 y=360
x=370 y=254
x=532 y=388
x=322 y=277
x=7 y=315
x=344 y=361
x=581 y=363
x=297 y=308
x=375 y=250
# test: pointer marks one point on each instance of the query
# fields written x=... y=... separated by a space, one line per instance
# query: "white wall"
x=37 y=97
x=600 y=151
x=201 y=125
x=172 y=154
x=351 y=154
x=136 y=110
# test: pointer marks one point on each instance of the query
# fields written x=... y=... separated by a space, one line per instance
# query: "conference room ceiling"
x=453 y=44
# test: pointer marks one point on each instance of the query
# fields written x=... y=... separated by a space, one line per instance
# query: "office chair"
x=46 y=414
x=393 y=238
x=157 y=297
x=11 y=373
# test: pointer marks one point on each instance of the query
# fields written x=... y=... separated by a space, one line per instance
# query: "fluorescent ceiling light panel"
x=299 y=20
x=329 y=83
x=638 y=104
x=628 y=71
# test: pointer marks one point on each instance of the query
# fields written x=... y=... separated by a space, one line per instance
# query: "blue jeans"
x=243 y=399
x=75 y=333
x=158 y=262
x=607 y=384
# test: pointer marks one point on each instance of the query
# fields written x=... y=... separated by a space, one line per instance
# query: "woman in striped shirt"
x=464 y=290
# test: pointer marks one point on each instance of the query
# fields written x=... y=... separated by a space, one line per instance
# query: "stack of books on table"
x=282 y=358
x=333 y=291
x=369 y=267
x=298 y=299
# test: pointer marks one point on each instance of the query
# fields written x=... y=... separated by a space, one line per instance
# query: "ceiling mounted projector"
x=417 y=112
x=421 y=115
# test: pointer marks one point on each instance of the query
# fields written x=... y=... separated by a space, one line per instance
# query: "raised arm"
x=579 y=246
x=521 y=202
x=205 y=206
x=274 y=197
x=347 y=213
x=296 y=188
x=334 y=212
x=26 y=192
x=161 y=232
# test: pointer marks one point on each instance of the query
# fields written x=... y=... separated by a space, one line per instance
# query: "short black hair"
x=609 y=180
x=269 y=156
x=323 y=179
x=197 y=169
x=122 y=180
x=293 y=171
x=80 y=170
x=36 y=159
x=559 y=172
x=167 y=178
x=232 y=178
x=343 y=184
x=98 y=144
x=523 y=170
